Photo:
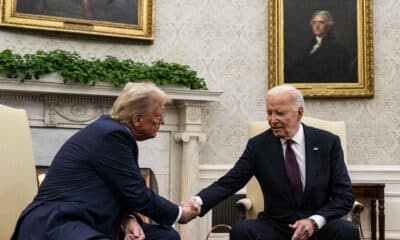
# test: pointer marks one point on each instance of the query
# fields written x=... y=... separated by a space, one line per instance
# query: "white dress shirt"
x=299 y=149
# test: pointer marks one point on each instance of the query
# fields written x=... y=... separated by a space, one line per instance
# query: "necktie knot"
x=289 y=142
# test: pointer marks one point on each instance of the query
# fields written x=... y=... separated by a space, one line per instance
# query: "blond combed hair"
x=137 y=98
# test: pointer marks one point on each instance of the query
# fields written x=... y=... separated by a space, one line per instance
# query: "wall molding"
x=375 y=173
x=359 y=173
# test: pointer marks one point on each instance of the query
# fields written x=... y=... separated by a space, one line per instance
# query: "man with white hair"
x=301 y=172
x=325 y=60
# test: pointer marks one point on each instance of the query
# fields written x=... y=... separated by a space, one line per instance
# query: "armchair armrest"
x=243 y=205
x=355 y=216
x=355 y=212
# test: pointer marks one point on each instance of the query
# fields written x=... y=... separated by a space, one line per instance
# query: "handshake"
x=190 y=210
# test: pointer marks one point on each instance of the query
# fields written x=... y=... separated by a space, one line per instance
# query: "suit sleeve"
x=114 y=160
x=342 y=199
x=230 y=183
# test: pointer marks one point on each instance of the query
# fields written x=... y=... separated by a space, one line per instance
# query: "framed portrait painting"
x=324 y=48
x=114 y=18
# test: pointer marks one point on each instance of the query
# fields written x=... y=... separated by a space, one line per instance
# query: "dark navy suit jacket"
x=327 y=192
x=94 y=176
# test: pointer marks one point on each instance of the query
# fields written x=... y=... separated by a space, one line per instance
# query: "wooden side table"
x=374 y=192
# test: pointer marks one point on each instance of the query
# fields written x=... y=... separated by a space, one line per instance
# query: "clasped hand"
x=190 y=210
x=303 y=229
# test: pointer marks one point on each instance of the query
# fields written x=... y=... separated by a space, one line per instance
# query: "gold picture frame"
x=114 y=18
x=289 y=24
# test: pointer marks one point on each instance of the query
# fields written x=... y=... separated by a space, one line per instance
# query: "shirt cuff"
x=320 y=220
x=198 y=200
x=179 y=214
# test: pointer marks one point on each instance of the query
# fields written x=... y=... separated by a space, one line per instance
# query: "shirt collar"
x=298 y=137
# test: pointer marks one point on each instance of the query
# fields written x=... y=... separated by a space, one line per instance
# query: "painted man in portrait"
x=325 y=60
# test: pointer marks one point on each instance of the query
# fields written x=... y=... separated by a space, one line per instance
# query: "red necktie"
x=293 y=172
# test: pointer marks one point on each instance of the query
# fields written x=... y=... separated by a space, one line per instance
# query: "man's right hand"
x=190 y=210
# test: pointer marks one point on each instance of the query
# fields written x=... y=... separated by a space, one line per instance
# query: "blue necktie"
x=293 y=172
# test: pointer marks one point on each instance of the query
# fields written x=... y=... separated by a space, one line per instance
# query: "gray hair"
x=326 y=15
x=137 y=98
x=298 y=98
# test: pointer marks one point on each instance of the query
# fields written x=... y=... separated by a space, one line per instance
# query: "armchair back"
x=18 y=182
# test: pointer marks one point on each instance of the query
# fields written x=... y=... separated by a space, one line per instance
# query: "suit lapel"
x=312 y=159
x=279 y=163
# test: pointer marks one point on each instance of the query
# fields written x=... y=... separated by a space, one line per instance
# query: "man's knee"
x=155 y=232
x=239 y=231
x=340 y=229
x=350 y=231
x=172 y=234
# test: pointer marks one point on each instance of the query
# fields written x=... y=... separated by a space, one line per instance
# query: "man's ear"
x=301 y=112
x=136 y=120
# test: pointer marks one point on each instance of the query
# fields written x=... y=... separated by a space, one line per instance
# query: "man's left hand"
x=133 y=230
x=303 y=229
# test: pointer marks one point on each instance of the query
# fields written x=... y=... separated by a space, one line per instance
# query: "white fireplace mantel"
x=56 y=86
x=57 y=110
x=75 y=105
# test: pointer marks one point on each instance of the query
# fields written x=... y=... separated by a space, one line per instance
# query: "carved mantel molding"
x=76 y=105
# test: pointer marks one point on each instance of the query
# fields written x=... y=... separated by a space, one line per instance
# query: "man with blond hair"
x=95 y=178
x=301 y=172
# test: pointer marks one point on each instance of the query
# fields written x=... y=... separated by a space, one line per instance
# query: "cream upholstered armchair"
x=250 y=206
x=18 y=182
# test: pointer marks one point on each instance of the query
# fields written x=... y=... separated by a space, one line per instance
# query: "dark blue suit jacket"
x=327 y=192
x=94 y=176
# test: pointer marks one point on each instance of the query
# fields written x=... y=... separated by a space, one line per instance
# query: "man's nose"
x=272 y=118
